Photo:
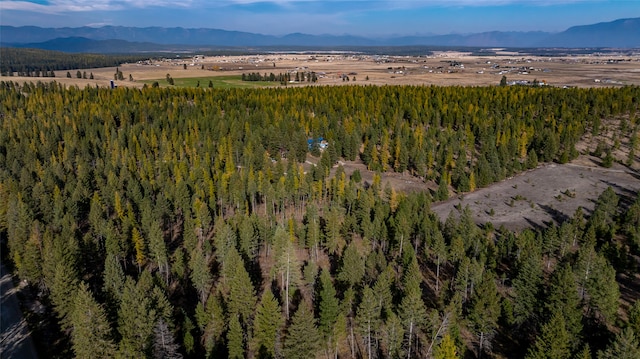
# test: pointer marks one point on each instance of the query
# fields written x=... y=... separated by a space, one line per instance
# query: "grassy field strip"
x=217 y=81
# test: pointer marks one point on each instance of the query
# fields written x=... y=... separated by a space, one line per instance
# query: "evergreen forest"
x=184 y=222
x=43 y=63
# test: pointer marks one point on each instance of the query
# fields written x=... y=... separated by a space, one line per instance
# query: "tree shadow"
x=254 y=269
x=535 y=225
x=635 y=174
x=558 y=216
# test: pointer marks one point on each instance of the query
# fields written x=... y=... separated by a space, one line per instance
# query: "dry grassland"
x=441 y=69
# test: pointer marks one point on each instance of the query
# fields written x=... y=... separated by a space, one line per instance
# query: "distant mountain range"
x=623 y=33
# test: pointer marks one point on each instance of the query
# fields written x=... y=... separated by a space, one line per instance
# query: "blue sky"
x=357 y=17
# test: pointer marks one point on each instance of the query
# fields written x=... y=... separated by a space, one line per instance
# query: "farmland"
x=445 y=68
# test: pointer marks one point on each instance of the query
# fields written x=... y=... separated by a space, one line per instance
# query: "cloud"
x=23 y=5
x=414 y=3
x=99 y=24
x=363 y=6
x=61 y=6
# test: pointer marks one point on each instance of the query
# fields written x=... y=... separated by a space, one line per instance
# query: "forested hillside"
x=171 y=223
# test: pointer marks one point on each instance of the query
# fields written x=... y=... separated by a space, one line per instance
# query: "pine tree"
x=604 y=212
x=242 y=299
x=333 y=239
x=604 y=293
x=484 y=312
x=412 y=309
x=187 y=340
x=553 y=341
x=597 y=282
x=563 y=298
x=303 y=339
x=200 y=274
x=64 y=285
x=440 y=252
x=136 y=318
x=211 y=321
x=631 y=222
x=225 y=237
x=382 y=289
x=368 y=319
x=158 y=249
x=287 y=265
x=339 y=336
x=235 y=344
x=91 y=335
x=634 y=316
x=312 y=228
x=248 y=237
x=585 y=353
x=625 y=346
x=442 y=194
x=392 y=336
x=139 y=246
x=31 y=264
x=462 y=279
x=526 y=286
x=352 y=269
x=267 y=326
x=113 y=278
x=329 y=305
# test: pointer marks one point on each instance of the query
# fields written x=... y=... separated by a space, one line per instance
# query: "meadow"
x=224 y=82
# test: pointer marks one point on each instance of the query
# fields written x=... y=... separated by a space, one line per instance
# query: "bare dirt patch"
x=400 y=182
x=549 y=193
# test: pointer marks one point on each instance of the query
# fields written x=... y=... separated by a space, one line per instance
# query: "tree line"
x=283 y=78
x=256 y=76
x=182 y=222
x=43 y=63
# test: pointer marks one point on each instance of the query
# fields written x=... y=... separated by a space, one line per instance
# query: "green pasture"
x=218 y=82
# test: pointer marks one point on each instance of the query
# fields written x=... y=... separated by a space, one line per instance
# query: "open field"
x=441 y=68
x=233 y=81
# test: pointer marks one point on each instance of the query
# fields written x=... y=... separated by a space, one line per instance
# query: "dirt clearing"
x=549 y=193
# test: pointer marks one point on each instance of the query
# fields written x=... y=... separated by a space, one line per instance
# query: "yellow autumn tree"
x=138 y=244
x=446 y=349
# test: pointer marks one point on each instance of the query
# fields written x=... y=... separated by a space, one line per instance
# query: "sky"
x=356 y=17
